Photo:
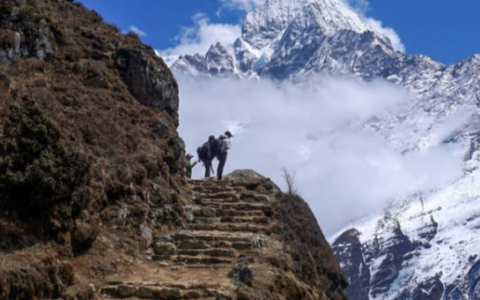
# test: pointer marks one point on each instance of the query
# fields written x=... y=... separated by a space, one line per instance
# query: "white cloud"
x=199 y=38
x=388 y=32
x=243 y=5
x=361 y=6
x=343 y=170
x=139 y=32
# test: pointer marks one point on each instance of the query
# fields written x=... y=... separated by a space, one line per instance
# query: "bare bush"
x=290 y=178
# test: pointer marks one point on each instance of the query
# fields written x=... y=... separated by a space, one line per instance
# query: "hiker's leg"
x=208 y=166
x=221 y=165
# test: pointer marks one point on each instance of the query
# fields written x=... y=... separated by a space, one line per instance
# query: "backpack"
x=204 y=152
x=223 y=144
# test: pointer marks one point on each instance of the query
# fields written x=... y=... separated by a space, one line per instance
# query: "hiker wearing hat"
x=224 y=144
x=206 y=154
x=189 y=166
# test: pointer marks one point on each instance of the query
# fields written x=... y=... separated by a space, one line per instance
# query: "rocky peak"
x=267 y=22
x=219 y=60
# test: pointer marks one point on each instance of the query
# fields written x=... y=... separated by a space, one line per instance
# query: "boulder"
x=242 y=273
x=160 y=248
x=251 y=180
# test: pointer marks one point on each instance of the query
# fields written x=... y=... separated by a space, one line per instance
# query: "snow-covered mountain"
x=284 y=38
x=426 y=245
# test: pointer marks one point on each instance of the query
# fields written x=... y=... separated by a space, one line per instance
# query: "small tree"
x=290 y=178
x=40 y=176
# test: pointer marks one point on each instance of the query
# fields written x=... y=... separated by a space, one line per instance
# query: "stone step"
x=254 y=220
x=189 y=259
x=242 y=199
x=239 y=209
x=213 y=202
x=245 y=206
x=220 y=194
x=143 y=292
x=214 y=252
x=214 y=236
x=231 y=227
x=211 y=183
x=203 y=220
x=234 y=220
x=215 y=189
x=254 y=198
x=160 y=292
x=203 y=259
x=223 y=205
x=238 y=213
x=208 y=267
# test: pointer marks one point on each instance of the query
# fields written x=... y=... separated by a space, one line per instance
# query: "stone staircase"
x=227 y=225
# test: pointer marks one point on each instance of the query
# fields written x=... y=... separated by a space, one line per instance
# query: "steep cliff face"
x=146 y=232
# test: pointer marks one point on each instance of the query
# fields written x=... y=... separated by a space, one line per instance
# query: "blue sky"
x=446 y=30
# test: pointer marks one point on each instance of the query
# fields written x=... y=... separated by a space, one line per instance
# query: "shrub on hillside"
x=41 y=177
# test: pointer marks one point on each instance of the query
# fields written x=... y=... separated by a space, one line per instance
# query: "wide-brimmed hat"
x=189 y=156
x=228 y=133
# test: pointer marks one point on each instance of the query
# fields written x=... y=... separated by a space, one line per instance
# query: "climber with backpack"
x=224 y=144
x=206 y=154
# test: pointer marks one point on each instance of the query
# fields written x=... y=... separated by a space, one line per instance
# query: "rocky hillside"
x=240 y=242
x=92 y=185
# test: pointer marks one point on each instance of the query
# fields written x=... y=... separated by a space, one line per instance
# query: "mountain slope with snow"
x=424 y=245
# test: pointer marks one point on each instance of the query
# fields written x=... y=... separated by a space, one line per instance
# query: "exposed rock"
x=125 y=291
x=349 y=251
x=164 y=248
x=429 y=289
x=395 y=255
x=208 y=212
x=242 y=273
x=148 y=81
x=473 y=281
x=188 y=211
x=147 y=235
